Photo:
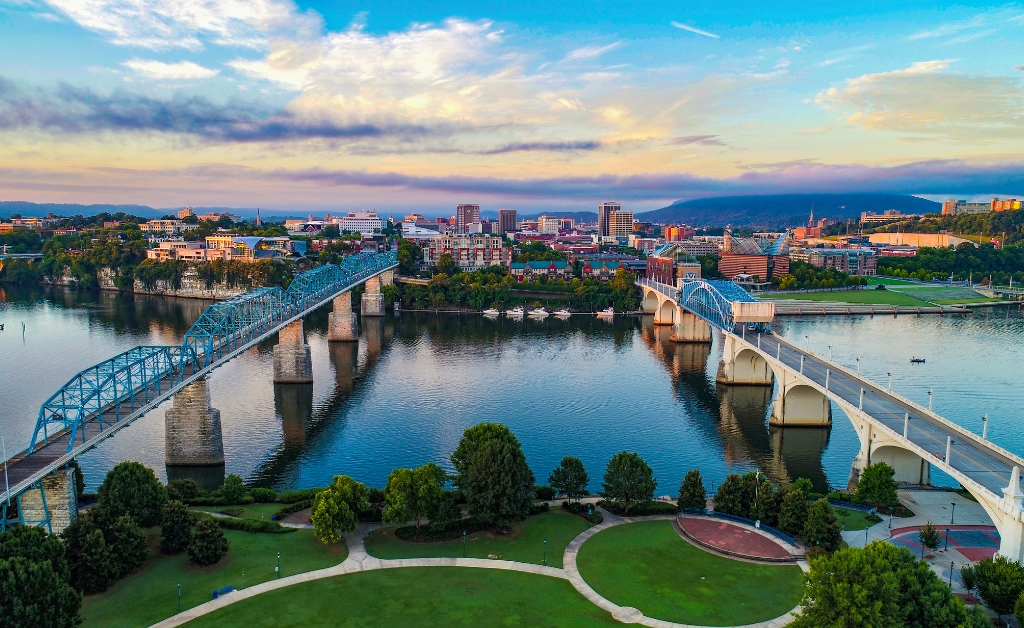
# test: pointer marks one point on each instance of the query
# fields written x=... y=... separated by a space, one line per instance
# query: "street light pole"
x=545 y=561
x=930 y=397
x=830 y=353
x=463 y=543
x=179 y=597
x=953 y=504
x=890 y=381
x=858 y=364
x=277 y=569
x=946 y=548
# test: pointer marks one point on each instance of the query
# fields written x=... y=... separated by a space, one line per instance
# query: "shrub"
x=448 y=510
x=208 y=543
x=127 y=544
x=175 y=527
x=284 y=511
x=183 y=490
x=641 y=509
x=302 y=495
x=595 y=517
x=873 y=518
x=539 y=508
x=256 y=526
x=132 y=489
x=216 y=499
x=545 y=493
x=468 y=525
x=264 y=495
x=233 y=490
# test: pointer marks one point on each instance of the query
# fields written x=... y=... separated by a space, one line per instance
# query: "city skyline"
x=312 y=107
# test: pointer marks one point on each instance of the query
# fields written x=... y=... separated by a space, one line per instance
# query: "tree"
x=929 y=536
x=34 y=574
x=628 y=480
x=793 y=515
x=448 y=510
x=132 y=489
x=413 y=493
x=472 y=439
x=79 y=478
x=803 y=484
x=208 y=543
x=499 y=483
x=692 y=493
x=233 y=489
x=92 y=567
x=183 y=490
x=731 y=497
x=876 y=484
x=569 y=478
x=446 y=264
x=822 y=527
x=999 y=581
x=880 y=586
x=337 y=508
x=175 y=527
x=127 y=545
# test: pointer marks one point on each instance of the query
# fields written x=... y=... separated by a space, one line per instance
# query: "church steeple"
x=810 y=223
x=259 y=220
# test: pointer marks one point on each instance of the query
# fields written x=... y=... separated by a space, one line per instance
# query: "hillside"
x=784 y=210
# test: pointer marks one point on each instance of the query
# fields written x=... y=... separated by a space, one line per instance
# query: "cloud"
x=703 y=140
x=186 y=23
x=590 y=52
x=163 y=71
x=75 y=110
x=1019 y=68
x=541 y=146
x=693 y=29
x=926 y=98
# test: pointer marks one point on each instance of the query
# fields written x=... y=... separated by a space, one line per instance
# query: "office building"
x=888 y=215
x=464 y=215
x=671 y=263
x=862 y=262
x=620 y=224
x=470 y=252
x=548 y=225
x=760 y=259
x=363 y=222
x=604 y=211
x=506 y=221
x=566 y=223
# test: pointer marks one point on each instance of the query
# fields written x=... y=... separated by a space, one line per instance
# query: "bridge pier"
x=799 y=405
x=53 y=503
x=342 y=325
x=292 y=361
x=665 y=312
x=689 y=327
x=877 y=446
x=192 y=429
x=373 y=301
x=743 y=367
x=294 y=404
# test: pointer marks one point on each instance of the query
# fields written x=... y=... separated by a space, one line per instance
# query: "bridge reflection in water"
x=737 y=415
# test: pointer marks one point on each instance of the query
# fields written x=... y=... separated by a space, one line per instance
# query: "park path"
x=359 y=560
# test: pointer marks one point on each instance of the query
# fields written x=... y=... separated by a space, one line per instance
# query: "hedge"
x=640 y=510
x=290 y=497
x=217 y=500
x=284 y=511
x=253 y=525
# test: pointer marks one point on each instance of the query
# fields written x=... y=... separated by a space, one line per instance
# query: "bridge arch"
x=666 y=312
x=798 y=404
x=743 y=366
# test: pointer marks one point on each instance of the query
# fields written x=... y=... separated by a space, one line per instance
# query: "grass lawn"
x=648 y=566
x=413 y=597
x=524 y=544
x=853 y=519
x=966 y=301
x=151 y=594
x=251 y=511
x=870 y=297
x=890 y=281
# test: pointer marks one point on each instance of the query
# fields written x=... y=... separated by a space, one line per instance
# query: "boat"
x=917 y=360
x=516 y=312
x=539 y=313
x=563 y=313
x=608 y=312
x=491 y=312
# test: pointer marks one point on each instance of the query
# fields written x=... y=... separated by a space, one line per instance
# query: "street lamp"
x=830 y=353
x=808 y=343
x=929 y=400
x=277 y=569
x=545 y=561
x=179 y=597
x=951 y=574
x=947 y=541
x=463 y=543
x=953 y=504
x=890 y=381
x=858 y=364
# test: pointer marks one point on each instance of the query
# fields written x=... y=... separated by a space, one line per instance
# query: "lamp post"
x=463 y=543
x=929 y=400
x=830 y=353
x=858 y=364
x=545 y=561
x=277 y=569
x=179 y=597
x=890 y=381
x=953 y=504
x=950 y=574
x=946 y=548
x=808 y=343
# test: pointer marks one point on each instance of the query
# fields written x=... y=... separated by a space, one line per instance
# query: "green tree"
x=183 y=490
x=472 y=439
x=876 y=484
x=93 y=569
x=999 y=582
x=802 y=484
x=233 y=489
x=929 y=536
x=446 y=264
x=692 y=493
x=337 y=508
x=127 y=544
x=732 y=498
x=793 y=514
x=413 y=493
x=499 y=483
x=32 y=594
x=822 y=527
x=208 y=543
x=880 y=586
x=569 y=478
x=409 y=256
x=176 y=523
x=132 y=489
x=628 y=480
x=448 y=510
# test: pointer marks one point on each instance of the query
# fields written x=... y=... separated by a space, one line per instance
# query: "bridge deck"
x=975 y=458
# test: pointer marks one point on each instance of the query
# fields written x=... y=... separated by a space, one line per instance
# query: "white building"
x=167 y=227
x=548 y=225
x=364 y=222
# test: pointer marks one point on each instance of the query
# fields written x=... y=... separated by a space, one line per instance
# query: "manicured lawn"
x=648 y=566
x=251 y=511
x=524 y=544
x=870 y=297
x=151 y=594
x=965 y=301
x=852 y=519
x=414 y=597
x=889 y=281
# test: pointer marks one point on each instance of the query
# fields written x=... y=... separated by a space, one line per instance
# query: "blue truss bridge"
x=104 y=398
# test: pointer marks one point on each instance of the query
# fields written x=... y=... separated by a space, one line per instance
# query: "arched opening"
x=751 y=368
x=666 y=312
x=650 y=302
x=909 y=467
x=801 y=405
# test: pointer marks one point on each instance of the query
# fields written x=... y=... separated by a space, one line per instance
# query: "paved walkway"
x=358 y=560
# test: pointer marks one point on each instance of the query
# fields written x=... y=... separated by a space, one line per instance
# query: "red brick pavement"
x=733 y=538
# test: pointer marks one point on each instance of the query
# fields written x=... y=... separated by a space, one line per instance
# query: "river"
x=585 y=387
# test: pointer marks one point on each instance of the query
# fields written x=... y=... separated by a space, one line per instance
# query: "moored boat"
x=608 y=312
x=491 y=312
x=539 y=313
x=563 y=313
x=516 y=312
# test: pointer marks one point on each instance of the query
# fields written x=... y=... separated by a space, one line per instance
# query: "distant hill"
x=784 y=210
x=28 y=209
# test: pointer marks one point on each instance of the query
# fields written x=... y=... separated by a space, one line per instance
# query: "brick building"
x=760 y=258
x=470 y=251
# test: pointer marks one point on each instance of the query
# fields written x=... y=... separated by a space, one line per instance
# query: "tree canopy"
x=413 y=493
x=822 y=527
x=337 y=507
x=999 y=582
x=876 y=484
x=472 y=439
x=692 y=493
x=628 y=480
x=499 y=483
x=131 y=488
x=570 y=478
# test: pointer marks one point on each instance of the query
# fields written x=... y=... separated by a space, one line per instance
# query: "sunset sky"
x=533 y=105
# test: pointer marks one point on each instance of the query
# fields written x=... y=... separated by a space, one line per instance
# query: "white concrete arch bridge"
x=891 y=428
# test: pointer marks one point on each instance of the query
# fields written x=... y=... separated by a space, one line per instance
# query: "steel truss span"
x=105 y=397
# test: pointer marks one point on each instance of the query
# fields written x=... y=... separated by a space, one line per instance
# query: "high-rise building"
x=620 y=224
x=566 y=223
x=548 y=225
x=604 y=211
x=506 y=221
x=464 y=215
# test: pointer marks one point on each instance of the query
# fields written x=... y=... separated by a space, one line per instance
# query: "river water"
x=585 y=387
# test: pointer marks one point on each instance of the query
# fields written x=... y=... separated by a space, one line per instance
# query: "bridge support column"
x=689 y=328
x=877 y=446
x=666 y=311
x=373 y=300
x=1008 y=515
x=799 y=405
x=292 y=361
x=294 y=404
x=650 y=301
x=192 y=429
x=342 y=325
x=742 y=366
x=55 y=502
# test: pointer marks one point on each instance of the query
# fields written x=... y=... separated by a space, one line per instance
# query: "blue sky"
x=535 y=105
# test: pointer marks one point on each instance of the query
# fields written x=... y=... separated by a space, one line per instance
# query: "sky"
x=418 y=106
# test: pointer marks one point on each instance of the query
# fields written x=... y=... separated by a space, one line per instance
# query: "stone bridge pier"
x=373 y=300
x=342 y=325
x=292 y=361
x=192 y=429
x=799 y=405
x=686 y=327
x=54 y=499
x=294 y=404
